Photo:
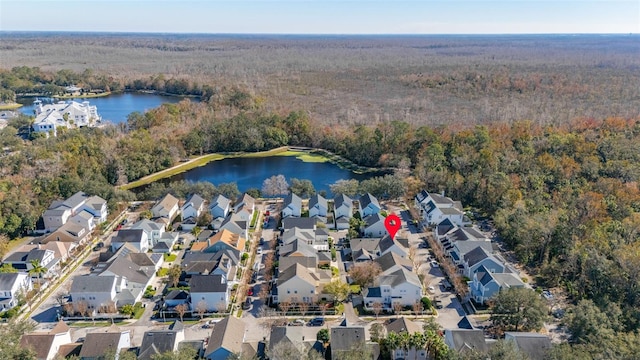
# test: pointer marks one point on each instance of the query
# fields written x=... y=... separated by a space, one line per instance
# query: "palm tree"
x=417 y=342
x=392 y=342
x=37 y=269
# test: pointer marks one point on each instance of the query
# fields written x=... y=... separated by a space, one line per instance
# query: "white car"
x=259 y=251
x=434 y=264
x=431 y=289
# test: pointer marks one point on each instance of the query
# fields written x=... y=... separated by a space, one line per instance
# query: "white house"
x=478 y=257
x=220 y=207
x=70 y=114
x=84 y=219
x=402 y=286
x=153 y=229
x=342 y=211
x=298 y=283
x=22 y=261
x=60 y=212
x=136 y=237
x=434 y=208
x=374 y=226
x=210 y=291
x=318 y=206
x=46 y=344
x=167 y=207
x=12 y=286
x=193 y=207
x=244 y=207
x=368 y=205
x=292 y=206
x=96 y=291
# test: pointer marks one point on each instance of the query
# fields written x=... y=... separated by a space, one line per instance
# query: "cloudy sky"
x=324 y=16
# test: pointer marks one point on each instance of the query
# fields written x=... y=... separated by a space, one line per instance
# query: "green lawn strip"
x=138 y=311
x=170 y=257
x=88 y=323
x=162 y=272
x=11 y=106
x=305 y=156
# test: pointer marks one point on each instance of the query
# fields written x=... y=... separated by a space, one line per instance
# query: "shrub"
x=426 y=303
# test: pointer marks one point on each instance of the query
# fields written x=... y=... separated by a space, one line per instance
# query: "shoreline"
x=12 y=106
x=303 y=154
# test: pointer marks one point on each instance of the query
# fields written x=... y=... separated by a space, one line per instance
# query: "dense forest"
x=350 y=80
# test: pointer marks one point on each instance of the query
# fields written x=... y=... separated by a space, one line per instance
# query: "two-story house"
x=46 y=344
x=210 y=292
x=244 y=207
x=135 y=237
x=168 y=207
x=486 y=284
x=342 y=211
x=318 y=207
x=152 y=229
x=192 y=209
x=219 y=207
x=95 y=292
x=292 y=206
x=12 y=287
x=368 y=205
x=24 y=261
x=400 y=286
x=298 y=283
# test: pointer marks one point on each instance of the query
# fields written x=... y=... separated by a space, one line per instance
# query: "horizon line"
x=306 y=34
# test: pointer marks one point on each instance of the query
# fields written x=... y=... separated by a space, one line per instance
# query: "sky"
x=324 y=16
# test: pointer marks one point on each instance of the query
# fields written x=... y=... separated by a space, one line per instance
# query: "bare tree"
x=181 y=309
x=413 y=256
x=221 y=307
x=397 y=308
x=81 y=307
x=284 y=307
x=323 y=308
x=275 y=185
x=364 y=273
x=377 y=308
x=417 y=307
x=68 y=309
x=201 y=308
x=303 y=307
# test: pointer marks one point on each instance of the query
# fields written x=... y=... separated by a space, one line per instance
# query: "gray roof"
x=369 y=244
x=465 y=247
x=373 y=292
x=208 y=283
x=534 y=345
x=90 y=283
x=367 y=199
x=234 y=224
x=75 y=200
x=177 y=295
x=297 y=245
x=508 y=280
x=441 y=199
x=156 y=342
x=298 y=234
x=98 y=343
x=123 y=266
x=290 y=334
x=128 y=235
x=295 y=270
x=220 y=201
x=391 y=259
x=147 y=225
x=301 y=223
x=293 y=199
x=386 y=243
x=373 y=219
x=25 y=256
x=422 y=195
x=401 y=324
x=345 y=338
x=399 y=277
x=317 y=199
x=476 y=255
x=342 y=199
x=450 y=211
x=195 y=200
x=96 y=202
x=467 y=340
x=444 y=227
x=7 y=280
x=227 y=334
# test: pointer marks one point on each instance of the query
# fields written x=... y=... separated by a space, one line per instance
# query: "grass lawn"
x=84 y=96
x=169 y=257
x=11 y=106
x=85 y=324
x=305 y=156
x=163 y=272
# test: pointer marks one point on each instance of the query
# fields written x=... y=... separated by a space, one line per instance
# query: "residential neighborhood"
x=254 y=276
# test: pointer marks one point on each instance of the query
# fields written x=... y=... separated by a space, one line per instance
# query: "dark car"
x=319 y=321
x=261 y=241
x=246 y=304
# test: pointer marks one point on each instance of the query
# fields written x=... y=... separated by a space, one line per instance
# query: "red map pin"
x=392 y=223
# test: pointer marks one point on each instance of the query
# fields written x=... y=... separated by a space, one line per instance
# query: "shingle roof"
x=90 y=283
x=465 y=247
x=403 y=324
x=157 y=342
x=297 y=246
x=342 y=199
x=444 y=227
x=75 y=200
x=220 y=201
x=476 y=255
x=367 y=199
x=391 y=260
x=301 y=223
x=98 y=343
x=296 y=270
x=195 y=200
x=466 y=340
x=128 y=235
x=38 y=342
x=345 y=338
x=293 y=199
x=369 y=244
x=167 y=202
x=147 y=225
x=534 y=345
x=208 y=283
x=317 y=199
x=227 y=334
x=399 y=277
x=373 y=219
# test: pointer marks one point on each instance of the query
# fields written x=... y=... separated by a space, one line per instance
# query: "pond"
x=250 y=172
x=114 y=108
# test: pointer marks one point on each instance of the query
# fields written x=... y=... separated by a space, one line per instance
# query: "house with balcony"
x=13 y=286
x=402 y=286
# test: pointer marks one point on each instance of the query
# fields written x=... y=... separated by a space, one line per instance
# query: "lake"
x=114 y=108
x=251 y=172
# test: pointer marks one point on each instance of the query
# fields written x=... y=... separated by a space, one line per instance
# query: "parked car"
x=246 y=304
x=259 y=251
x=547 y=294
x=434 y=264
x=296 y=322
x=250 y=292
x=261 y=241
x=319 y=321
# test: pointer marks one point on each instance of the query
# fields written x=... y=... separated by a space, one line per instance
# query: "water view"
x=251 y=172
x=114 y=108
